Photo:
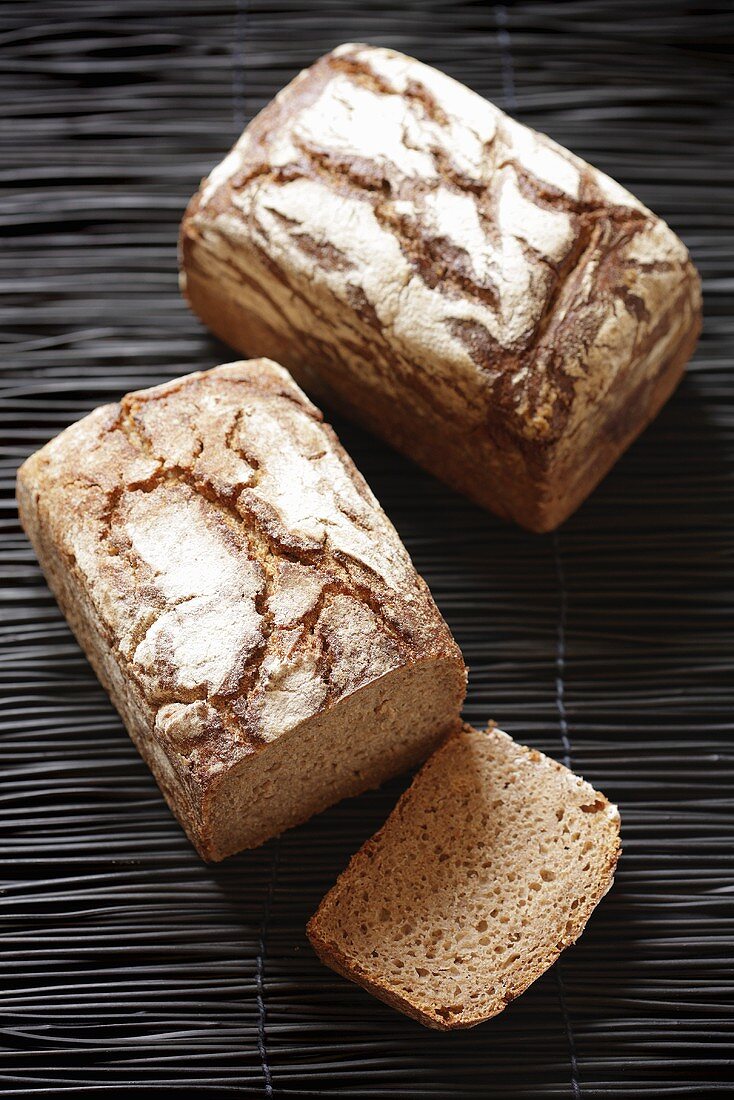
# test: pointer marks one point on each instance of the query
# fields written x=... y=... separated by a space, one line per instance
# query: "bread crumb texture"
x=489 y=866
x=242 y=572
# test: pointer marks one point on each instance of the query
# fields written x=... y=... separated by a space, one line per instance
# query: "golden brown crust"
x=226 y=569
x=423 y=1004
x=446 y=273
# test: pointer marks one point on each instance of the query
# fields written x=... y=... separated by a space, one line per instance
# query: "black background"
x=128 y=963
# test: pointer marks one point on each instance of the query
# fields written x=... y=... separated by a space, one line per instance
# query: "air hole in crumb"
x=594 y=807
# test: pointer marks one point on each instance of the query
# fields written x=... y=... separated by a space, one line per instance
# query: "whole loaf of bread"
x=243 y=598
x=481 y=298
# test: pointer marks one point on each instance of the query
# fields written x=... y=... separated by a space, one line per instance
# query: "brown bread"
x=244 y=600
x=484 y=300
x=488 y=867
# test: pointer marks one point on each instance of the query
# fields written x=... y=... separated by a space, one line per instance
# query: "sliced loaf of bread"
x=488 y=867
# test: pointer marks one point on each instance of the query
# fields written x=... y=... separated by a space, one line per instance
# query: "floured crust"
x=400 y=857
x=405 y=245
x=244 y=579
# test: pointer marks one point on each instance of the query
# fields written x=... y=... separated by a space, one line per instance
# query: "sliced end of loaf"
x=383 y=729
x=488 y=867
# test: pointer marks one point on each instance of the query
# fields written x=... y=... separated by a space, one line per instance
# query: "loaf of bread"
x=244 y=600
x=488 y=867
x=481 y=298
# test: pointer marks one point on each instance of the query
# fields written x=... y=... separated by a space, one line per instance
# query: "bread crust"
x=228 y=573
x=441 y=272
x=425 y=1011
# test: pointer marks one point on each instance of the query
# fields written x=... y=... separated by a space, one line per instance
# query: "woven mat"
x=128 y=964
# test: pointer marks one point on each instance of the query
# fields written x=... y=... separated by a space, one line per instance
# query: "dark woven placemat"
x=129 y=964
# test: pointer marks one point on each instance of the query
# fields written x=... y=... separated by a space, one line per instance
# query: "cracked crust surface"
x=489 y=866
x=429 y=264
x=241 y=573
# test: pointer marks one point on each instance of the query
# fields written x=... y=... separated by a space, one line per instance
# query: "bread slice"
x=488 y=867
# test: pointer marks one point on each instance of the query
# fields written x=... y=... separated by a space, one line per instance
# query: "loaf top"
x=484 y=256
x=243 y=571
